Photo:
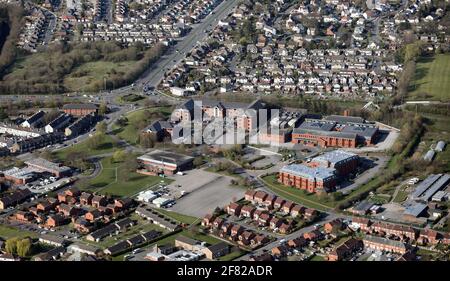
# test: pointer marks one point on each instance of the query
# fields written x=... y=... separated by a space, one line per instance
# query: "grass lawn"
x=401 y=195
x=297 y=195
x=115 y=179
x=107 y=146
x=432 y=79
x=137 y=119
x=317 y=258
x=179 y=217
x=201 y=237
x=86 y=75
x=7 y=232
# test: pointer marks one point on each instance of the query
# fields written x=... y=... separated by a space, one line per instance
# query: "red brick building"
x=80 y=110
x=313 y=180
x=335 y=131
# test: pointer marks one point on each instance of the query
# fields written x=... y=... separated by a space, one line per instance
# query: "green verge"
x=115 y=179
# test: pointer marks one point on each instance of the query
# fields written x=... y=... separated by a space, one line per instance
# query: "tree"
x=103 y=109
x=11 y=245
x=412 y=51
x=131 y=163
x=119 y=156
x=24 y=247
x=147 y=140
x=96 y=140
x=337 y=196
x=101 y=127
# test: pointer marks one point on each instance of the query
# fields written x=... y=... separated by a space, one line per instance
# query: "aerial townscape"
x=224 y=130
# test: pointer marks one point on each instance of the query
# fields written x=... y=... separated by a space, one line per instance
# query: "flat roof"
x=46 y=165
x=19 y=173
x=438 y=185
x=317 y=125
x=364 y=131
x=425 y=184
x=166 y=156
x=80 y=106
x=335 y=156
x=364 y=206
x=345 y=119
x=415 y=209
x=308 y=172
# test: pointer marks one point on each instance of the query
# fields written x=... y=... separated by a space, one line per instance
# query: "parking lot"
x=204 y=192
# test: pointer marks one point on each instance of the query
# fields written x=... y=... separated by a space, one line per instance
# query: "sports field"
x=432 y=79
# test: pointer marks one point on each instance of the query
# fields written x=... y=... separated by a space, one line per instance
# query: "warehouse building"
x=336 y=131
x=43 y=165
x=430 y=186
x=18 y=176
x=415 y=210
x=164 y=162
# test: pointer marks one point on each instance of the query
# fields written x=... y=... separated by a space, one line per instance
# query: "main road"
x=199 y=32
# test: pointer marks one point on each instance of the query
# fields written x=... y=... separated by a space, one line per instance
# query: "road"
x=154 y=75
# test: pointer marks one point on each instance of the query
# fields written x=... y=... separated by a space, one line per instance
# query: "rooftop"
x=366 y=131
x=166 y=156
x=415 y=209
x=307 y=172
x=45 y=164
x=345 y=119
x=80 y=106
x=335 y=156
x=384 y=241
x=317 y=125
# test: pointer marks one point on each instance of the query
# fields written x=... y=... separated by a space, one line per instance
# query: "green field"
x=86 y=75
x=107 y=146
x=7 y=232
x=138 y=120
x=81 y=78
x=432 y=79
x=179 y=217
x=115 y=179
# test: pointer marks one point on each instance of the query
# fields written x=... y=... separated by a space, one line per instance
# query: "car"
x=135 y=251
